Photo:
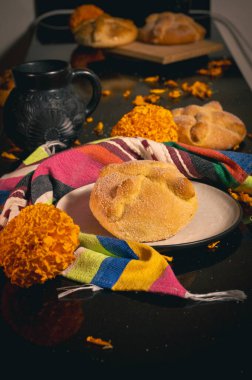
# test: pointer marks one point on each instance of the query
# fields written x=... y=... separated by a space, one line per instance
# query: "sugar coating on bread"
x=168 y=28
x=143 y=200
x=208 y=126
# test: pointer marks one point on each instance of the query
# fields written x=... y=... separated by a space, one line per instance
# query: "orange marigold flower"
x=38 y=244
x=213 y=245
x=199 y=89
x=219 y=63
x=152 y=98
x=211 y=71
x=237 y=146
x=149 y=121
x=144 y=100
x=106 y=92
x=171 y=83
x=139 y=101
x=185 y=86
x=9 y=156
x=99 y=342
x=89 y=119
x=126 y=93
x=99 y=128
x=241 y=196
x=157 y=91
x=174 y=94
x=153 y=79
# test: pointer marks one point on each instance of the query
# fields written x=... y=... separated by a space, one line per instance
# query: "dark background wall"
x=125 y=8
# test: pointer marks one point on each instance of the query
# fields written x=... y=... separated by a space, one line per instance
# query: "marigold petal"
x=38 y=244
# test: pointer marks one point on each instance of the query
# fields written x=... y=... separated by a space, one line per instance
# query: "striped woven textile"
x=109 y=262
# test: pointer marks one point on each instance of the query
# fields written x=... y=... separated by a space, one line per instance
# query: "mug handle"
x=96 y=85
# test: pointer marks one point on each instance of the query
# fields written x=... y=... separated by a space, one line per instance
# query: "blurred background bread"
x=106 y=32
x=83 y=13
x=168 y=28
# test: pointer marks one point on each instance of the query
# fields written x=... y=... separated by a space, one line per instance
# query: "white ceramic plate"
x=218 y=213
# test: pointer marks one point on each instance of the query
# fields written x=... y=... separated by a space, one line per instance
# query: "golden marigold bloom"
x=241 y=196
x=213 y=245
x=151 y=79
x=89 y=119
x=219 y=63
x=174 y=94
x=199 y=89
x=157 y=91
x=106 y=92
x=99 y=128
x=38 y=244
x=211 y=71
x=9 y=156
x=139 y=100
x=99 y=342
x=237 y=146
x=126 y=93
x=144 y=100
x=171 y=83
x=149 y=121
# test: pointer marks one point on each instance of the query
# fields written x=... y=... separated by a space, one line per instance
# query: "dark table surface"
x=150 y=333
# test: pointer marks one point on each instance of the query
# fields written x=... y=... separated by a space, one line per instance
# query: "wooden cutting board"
x=167 y=54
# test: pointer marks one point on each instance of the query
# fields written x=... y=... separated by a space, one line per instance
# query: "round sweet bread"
x=143 y=200
x=168 y=28
x=82 y=13
x=106 y=32
x=208 y=126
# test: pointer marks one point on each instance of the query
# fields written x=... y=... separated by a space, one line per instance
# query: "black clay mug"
x=44 y=105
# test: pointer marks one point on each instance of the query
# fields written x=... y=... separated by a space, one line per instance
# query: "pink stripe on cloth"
x=63 y=167
x=168 y=284
x=9 y=183
x=20 y=172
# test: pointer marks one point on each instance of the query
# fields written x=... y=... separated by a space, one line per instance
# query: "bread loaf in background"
x=143 y=200
x=169 y=28
x=208 y=126
x=106 y=32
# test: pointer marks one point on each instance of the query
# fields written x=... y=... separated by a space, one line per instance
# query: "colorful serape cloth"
x=109 y=262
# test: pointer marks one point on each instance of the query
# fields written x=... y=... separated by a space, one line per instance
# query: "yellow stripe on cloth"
x=85 y=266
x=142 y=273
x=246 y=186
x=36 y=156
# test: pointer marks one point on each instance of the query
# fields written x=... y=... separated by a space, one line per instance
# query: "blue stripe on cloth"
x=117 y=247
x=109 y=272
x=242 y=159
x=3 y=196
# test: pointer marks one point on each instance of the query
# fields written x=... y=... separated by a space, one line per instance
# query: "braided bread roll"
x=208 y=126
